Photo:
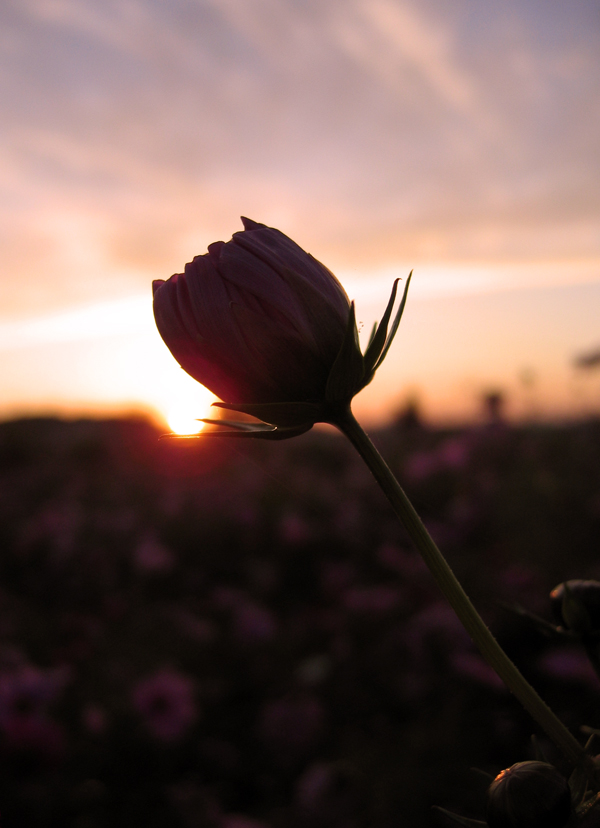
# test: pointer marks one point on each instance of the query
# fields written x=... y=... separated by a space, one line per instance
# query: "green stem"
x=460 y=602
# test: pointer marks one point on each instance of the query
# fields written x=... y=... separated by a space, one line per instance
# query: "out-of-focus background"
x=225 y=636
x=459 y=139
x=214 y=634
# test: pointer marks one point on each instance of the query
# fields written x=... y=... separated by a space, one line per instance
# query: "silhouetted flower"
x=270 y=330
x=529 y=795
x=576 y=605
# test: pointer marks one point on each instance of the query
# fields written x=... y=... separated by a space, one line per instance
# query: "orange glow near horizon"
x=109 y=360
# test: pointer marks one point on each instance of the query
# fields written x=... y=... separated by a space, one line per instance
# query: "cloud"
x=373 y=131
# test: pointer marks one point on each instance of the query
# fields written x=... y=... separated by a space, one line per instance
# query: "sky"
x=460 y=139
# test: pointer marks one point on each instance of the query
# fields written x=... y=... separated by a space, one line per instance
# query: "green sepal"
x=379 y=334
x=237 y=425
x=286 y=414
x=371 y=337
x=468 y=823
x=346 y=377
x=543 y=626
x=578 y=784
x=589 y=806
x=381 y=340
x=267 y=432
x=395 y=324
x=483 y=774
x=235 y=428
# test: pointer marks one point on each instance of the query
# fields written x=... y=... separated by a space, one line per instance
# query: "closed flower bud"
x=269 y=330
x=529 y=795
x=576 y=605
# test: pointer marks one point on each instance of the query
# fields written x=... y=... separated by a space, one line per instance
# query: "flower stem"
x=460 y=602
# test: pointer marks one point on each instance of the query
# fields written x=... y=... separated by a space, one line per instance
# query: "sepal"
x=461 y=820
x=256 y=431
x=235 y=428
x=286 y=414
x=346 y=377
x=379 y=333
x=542 y=626
x=381 y=340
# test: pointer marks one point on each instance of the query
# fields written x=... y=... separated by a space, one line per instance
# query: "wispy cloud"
x=373 y=131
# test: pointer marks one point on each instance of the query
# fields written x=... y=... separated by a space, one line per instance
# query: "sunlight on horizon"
x=182 y=420
x=181 y=401
x=462 y=333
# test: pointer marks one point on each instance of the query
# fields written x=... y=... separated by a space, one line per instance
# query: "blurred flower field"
x=212 y=634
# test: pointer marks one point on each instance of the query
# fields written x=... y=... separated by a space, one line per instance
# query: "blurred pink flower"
x=407 y=563
x=27 y=691
x=240 y=821
x=336 y=576
x=294 y=529
x=94 y=719
x=329 y=795
x=313 y=785
x=373 y=600
x=253 y=623
x=291 y=726
x=569 y=665
x=473 y=667
x=454 y=453
x=165 y=701
x=25 y=695
x=150 y=555
x=35 y=733
x=420 y=465
x=436 y=625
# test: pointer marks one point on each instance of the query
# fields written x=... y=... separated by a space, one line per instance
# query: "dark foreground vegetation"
x=220 y=634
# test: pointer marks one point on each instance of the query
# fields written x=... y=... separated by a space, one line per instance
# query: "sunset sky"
x=455 y=137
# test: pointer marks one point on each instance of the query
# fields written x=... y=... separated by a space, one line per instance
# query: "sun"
x=182 y=420
x=184 y=411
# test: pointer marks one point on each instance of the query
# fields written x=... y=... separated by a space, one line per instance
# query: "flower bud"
x=576 y=605
x=529 y=795
x=269 y=330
